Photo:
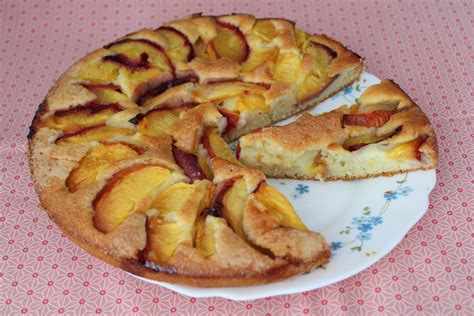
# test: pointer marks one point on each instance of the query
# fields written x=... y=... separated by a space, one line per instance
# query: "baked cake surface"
x=128 y=151
x=383 y=134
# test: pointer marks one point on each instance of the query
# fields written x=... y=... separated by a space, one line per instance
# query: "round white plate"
x=362 y=220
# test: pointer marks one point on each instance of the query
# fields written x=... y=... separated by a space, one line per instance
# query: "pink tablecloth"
x=426 y=46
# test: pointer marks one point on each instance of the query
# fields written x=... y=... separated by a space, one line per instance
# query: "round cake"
x=129 y=150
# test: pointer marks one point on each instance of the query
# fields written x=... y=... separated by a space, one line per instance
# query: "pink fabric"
x=424 y=45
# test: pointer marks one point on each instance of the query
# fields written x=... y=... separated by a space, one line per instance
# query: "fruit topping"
x=147 y=97
x=217 y=147
x=356 y=142
x=259 y=57
x=288 y=68
x=156 y=122
x=174 y=224
x=80 y=117
x=408 y=150
x=179 y=49
x=119 y=197
x=233 y=201
x=232 y=119
x=229 y=43
x=95 y=161
x=278 y=206
x=220 y=91
x=372 y=119
x=189 y=163
x=93 y=133
x=139 y=54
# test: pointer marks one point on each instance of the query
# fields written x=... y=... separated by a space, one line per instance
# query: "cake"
x=384 y=133
x=129 y=153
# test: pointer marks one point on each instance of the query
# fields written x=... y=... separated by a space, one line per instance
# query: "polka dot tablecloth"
x=425 y=46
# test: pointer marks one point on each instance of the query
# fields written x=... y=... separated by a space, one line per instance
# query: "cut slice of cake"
x=383 y=134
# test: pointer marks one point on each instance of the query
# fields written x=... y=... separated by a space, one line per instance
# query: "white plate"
x=362 y=220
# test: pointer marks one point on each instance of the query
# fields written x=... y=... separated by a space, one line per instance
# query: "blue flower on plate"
x=390 y=195
x=301 y=188
x=348 y=90
x=364 y=236
x=365 y=227
x=359 y=220
x=404 y=191
x=375 y=220
x=336 y=245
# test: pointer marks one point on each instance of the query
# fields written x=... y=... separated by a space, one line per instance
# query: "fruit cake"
x=129 y=157
x=384 y=133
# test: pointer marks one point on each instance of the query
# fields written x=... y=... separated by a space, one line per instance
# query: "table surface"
x=425 y=46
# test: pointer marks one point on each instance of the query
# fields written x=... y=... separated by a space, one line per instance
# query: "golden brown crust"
x=234 y=262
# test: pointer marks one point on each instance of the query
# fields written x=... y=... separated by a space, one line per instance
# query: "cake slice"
x=383 y=134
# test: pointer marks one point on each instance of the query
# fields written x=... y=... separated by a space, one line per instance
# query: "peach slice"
x=157 y=122
x=80 y=117
x=232 y=119
x=288 y=68
x=357 y=142
x=407 y=151
x=217 y=147
x=311 y=86
x=258 y=57
x=201 y=48
x=278 y=206
x=179 y=48
x=318 y=78
x=233 y=201
x=245 y=103
x=265 y=29
x=206 y=227
x=98 y=72
x=165 y=89
x=93 y=133
x=372 y=119
x=119 y=197
x=230 y=43
x=107 y=94
x=177 y=209
x=219 y=91
x=140 y=54
x=95 y=161
x=189 y=163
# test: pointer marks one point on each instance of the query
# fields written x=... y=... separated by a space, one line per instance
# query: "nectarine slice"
x=278 y=206
x=233 y=201
x=189 y=163
x=99 y=72
x=206 y=227
x=80 y=117
x=407 y=151
x=179 y=48
x=119 y=197
x=177 y=208
x=217 y=147
x=265 y=29
x=140 y=53
x=95 y=161
x=93 y=133
x=258 y=57
x=157 y=122
x=220 y=91
x=107 y=94
x=230 y=43
x=372 y=119
x=288 y=68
